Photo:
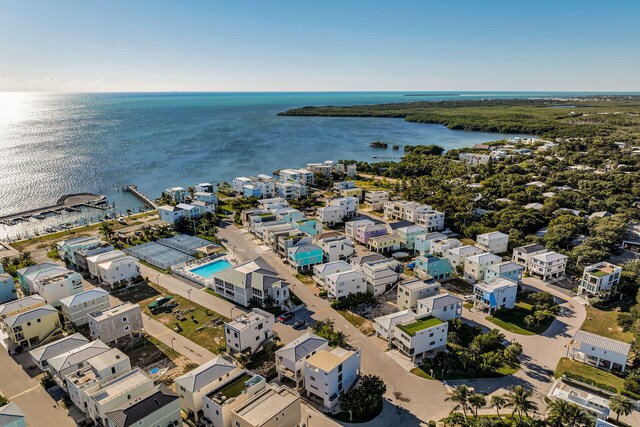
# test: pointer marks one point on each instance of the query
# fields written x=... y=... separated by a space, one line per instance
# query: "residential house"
x=602 y=277
x=56 y=283
x=422 y=243
x=252 y=281
x=474 y=159
x=445 y=306
x=74 y=360
x=29 y=328
x=419 y=337
x=375 y=199
x=218 y=404
x=83 y=254
x=410 y=292
x=26 y=275
x=42 y=354
x=115 y=323
x=536 y=206
x=522 y=255
x=21 y=305
x=321 y=271
x=548 y=266
x=495 y=295
x=325 y=168
x=508 y=270
x=380 y=274
x=291 y=359
x=205 y=187
x=415 y=213
x=302 y=176
x=408 y=235
x=95 y=260
x=385 y=325
x=338 y=209
x=304 y=257
x=156 y=407
x=67 y=249
x=475 y=266
x=76 y=308
x=336 y=248
x=248 y=331
x=457 y=256
x=350 y=169
x=12 y=416
x=433 y=266
x=355 y=192
x=274 y=406
x=595 y=405
x=439 y=247
x=494 y=242
x=8 y=290
x=343 y=284
x=385 y=243
x=599 y=351
x=291 y=190
x=119 y=271
x=176 y=194
x=362 y=230
x=194 y=385
x=330 y=373
x=343 y=185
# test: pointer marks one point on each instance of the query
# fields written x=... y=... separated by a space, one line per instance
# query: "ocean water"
x=57 y=144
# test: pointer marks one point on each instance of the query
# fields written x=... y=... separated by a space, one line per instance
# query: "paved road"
x=374 y=360
x=39 y=408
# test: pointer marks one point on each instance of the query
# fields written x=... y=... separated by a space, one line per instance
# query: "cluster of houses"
x=187 y=206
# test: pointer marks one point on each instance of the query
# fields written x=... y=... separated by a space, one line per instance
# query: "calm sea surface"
x=56 y=144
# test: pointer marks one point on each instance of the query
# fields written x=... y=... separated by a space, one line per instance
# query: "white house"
x=385 y=325
x=501 y=293
x=291 y=359
x=408 y=235
x=336 y=248
x=57 y=283
x=115 y=323
x=95 y=260
x=67 y=249
x=440 y=247
x=548 y=266
x=423 y=242
x=42 y=354
x=119 y=271
x=156 y=407
x=445 y=306
x=507 y=269
x=343 y=284
x=600 y=277
x=415 y=213
x=192 y=386
x=494 y=242
x=76 y=308
x=420 y=337
x=321 y=271
x=330 y=373
x=475 y=159
x=248 y=331
x=219 y=403
x=303 y=176
x=338 y=209
x=599 y=351
x=475 y=266
x=375 y=199
x=410 y=292
x=457 y=256
x=522 y=255
x=177 y=194
x=380 y=274
x=273 y=406
x=74 y=360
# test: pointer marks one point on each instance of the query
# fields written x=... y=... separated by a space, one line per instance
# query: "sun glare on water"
x=13 y=107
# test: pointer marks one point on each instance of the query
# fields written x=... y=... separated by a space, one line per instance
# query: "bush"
x=351 y=300
x=590 y=381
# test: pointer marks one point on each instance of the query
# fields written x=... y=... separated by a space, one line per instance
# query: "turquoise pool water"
x=212 y=268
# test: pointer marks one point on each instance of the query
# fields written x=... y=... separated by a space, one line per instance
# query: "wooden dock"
x=140 y=195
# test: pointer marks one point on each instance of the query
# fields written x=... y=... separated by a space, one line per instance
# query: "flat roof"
x=328 y=360
x=114 y=311
x=419 y=325
x=266 y=405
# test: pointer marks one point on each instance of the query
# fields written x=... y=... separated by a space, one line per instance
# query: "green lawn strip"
x=513 y=320
x=211 y=338
x=422 y=374
x=605 y=323
x=573 y=367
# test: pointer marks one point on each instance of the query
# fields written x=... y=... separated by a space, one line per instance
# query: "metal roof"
x=142 y=406
x=27 y=316
x=58 y=347
x=302 y=346
x=84 y=296
x=604 y=343
x=18 y=304
x=205 y=374
x=9 y=414
x=440 y=300
x=78 y=355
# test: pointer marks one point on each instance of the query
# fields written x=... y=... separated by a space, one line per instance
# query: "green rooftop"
x=599 y=273
x=419 y=325
x=234 y=388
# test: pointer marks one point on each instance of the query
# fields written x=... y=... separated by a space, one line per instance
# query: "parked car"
x=299 y=324
x=285 y=316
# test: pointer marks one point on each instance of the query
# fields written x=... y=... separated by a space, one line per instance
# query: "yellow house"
x=21 y=305
x=387 y=242
x=31 y=327
x=351 y=192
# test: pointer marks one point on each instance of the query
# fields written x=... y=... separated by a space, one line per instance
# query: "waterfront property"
x=252 y=281
x=413 y=290
x=602 y=277
x=420 y=337
x=31 y=327
x=194 y=385
x=433 y=266
x=291 y=359
x=492 y=296
x=115 y=323
x=599 y=351
x=248 y=332
x=330 y=373
x=445 y=306
x=75 y=309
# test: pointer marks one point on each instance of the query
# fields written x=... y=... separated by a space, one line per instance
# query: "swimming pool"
x=212 y=268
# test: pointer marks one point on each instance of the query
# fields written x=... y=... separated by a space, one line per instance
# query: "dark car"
x=299 y=324
x=285 y=316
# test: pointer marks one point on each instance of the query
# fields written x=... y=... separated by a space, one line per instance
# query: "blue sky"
x=276 y=45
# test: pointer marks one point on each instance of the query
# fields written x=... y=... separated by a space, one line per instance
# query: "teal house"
x=304 y=257
x=438 y=268
x=310 y=227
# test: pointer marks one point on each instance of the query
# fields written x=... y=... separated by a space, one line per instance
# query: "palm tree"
x=512 y=352
x=498 y=402
x=576 y=417
x=25 y=258
x=529 y=320
x=558 y=410
x=476 y=400
x=620 y=405
x=454 y=419
x=519 y=398
x=107 y=230
x=461 y=395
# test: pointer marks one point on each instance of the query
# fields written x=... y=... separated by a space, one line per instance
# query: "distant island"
x=378 y=144
x=431 y=94
x=612 y=117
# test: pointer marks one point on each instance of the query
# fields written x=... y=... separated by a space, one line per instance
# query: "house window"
x=124 y=319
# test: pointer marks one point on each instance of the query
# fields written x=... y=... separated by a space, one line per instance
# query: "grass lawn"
x=209 y=336
x=466 y=241
x=358 y=321
x=598 y=375
x=605 y=323
x=513 y=320
x=306 y=278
